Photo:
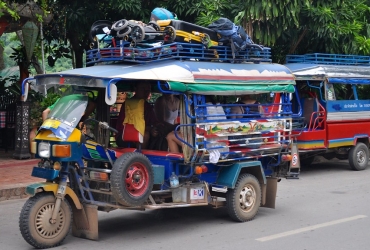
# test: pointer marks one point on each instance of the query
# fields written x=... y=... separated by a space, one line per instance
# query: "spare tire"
x=132 y=179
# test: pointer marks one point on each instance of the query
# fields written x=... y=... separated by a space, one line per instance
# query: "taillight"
x=201 y=169
x=94 y=175
x=198 y=170
x=286 y=157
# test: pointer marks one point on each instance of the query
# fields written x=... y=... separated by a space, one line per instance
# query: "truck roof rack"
x=330 y=59
x=145 y=53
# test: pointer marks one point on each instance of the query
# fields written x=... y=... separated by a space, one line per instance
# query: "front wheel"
x=35 y=225
x=358 y=156
x=244 y=200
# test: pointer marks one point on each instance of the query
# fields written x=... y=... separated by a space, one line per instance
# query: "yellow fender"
x=53 y=187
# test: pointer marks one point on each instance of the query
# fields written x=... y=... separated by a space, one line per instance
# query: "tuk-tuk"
x=333 y=102
x=224 y=161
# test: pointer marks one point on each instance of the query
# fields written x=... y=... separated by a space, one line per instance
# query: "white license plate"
x=197 y=193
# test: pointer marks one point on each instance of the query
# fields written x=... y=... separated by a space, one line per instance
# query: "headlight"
x=44 y=150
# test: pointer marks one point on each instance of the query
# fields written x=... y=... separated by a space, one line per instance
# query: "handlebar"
x=106 y=126
x=103 y=125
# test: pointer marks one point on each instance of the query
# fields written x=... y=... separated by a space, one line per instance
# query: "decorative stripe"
x=311 y=144
x=238 y=78
x=340 y=143
x=348 y=116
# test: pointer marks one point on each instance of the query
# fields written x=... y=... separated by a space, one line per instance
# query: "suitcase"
x=189 y=32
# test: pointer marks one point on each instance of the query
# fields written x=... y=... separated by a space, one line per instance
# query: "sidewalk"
x=15 y=175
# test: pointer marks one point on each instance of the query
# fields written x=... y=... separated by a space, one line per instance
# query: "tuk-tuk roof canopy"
x=306 y=71
x=335 y=68
x=183 y=76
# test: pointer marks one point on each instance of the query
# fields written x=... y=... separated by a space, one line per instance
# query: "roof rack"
x=146 y=52
x=333 y=59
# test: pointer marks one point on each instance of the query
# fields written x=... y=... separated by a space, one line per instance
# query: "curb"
x=13 y=193
x=16 y=163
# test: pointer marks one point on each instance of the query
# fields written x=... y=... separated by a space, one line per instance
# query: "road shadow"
x=333 y=167
x=157 y=223
x=320 y=163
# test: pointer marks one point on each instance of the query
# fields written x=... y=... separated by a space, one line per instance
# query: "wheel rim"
x=43 y=225
x=119 y=25
x=361 y=157
x=124 y=32
x=137 y=179
x=247 y=198
x=170 y=34
x=154 y=25
x=137 y=34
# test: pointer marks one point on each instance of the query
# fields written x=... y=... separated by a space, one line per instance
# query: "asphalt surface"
x=327 y=208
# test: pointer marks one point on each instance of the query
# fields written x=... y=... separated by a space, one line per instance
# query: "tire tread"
x=230 y=200
x=116 y=180
x=24 y=221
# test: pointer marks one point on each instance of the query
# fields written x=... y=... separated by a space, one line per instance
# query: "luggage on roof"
x=191 y=33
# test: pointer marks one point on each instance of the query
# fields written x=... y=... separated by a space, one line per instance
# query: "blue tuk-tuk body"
x=225 y=160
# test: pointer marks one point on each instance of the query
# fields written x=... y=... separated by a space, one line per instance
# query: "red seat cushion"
x=131 y=134
x=121 y=151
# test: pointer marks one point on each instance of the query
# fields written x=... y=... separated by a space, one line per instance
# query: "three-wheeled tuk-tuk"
x=335 y=107
x=225 y=160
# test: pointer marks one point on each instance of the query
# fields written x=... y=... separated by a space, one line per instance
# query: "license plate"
x=197 y=193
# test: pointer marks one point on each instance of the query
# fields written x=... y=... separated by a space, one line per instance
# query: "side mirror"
x=25 y=87
x=111 y=94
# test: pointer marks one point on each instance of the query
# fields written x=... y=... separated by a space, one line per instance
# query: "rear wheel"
x=169 y=34
x=137 y=33
x=132 y=179
x=35 y=225
x=358 y=156
x=244 y=200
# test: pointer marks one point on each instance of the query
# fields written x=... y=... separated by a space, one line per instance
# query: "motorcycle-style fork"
x=62 y=186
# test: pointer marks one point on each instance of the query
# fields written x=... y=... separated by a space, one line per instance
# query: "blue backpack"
x=231 y=34
x=161 y=14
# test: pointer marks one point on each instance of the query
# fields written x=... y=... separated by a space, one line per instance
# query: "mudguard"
x=229 y=175
x=53 y=187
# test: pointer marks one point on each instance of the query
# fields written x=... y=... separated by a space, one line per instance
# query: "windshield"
x=69 y=109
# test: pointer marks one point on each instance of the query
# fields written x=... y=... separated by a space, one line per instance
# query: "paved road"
x=327 y=208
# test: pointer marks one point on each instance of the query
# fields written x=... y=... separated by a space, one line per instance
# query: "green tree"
x=299 y=26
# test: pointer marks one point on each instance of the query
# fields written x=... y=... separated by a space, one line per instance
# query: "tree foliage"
x=338 y=26
x=288 y=26
x=266 y=20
